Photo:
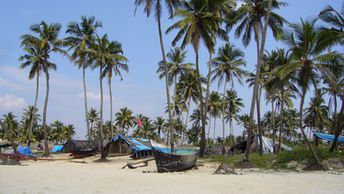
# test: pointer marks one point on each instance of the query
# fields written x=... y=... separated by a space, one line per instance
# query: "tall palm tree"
x=34 y=58
x=200 y=21
x=233 y=105
x=227 y=67
x=280 y=89
x=10 y=128
x=214 y=108
x=176 y=67
x=92 y=117
x=309 y=56
x=101 y=55
x=124 y=120
x=149 y=5
x=48 y=42
x=250 y=17
x=116 y=64
x=81 y=37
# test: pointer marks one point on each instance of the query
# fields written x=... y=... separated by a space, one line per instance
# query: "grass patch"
x=278 y=161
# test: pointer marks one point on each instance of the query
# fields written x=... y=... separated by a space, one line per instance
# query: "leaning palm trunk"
x=110 y=92
x=302 y=129
x=205 y=105
x=258 y=122
x=101 y=113
x=166 y=84
x=254 y=96
x=202 y=106
x=85 y=104
x=33 y=115
x=209 y=127
x=281 y=123
x=45 y=134
x=339 y=127
x=255 y=88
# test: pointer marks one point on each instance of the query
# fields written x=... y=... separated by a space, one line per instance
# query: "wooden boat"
x=174 y=162
x=83 y=153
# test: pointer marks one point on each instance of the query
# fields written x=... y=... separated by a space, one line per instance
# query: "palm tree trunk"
x=45 y=134
x=214 y=128
x=254 y=97
x=85 y=104
x=259 y=62
x=281 y=122
x=166 y=86
x=101 y=113
x=34 y=115
x=258 y=123
x=187 y=112
x=303 y=131
x=273 y=124
x=202 y=107
x=110 y=92
x=339 y=127
x=207 y=91
x=209 y=127
x=232 y=130
x=223 y=113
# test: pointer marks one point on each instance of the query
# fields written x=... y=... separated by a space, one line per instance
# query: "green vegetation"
x=279 y=161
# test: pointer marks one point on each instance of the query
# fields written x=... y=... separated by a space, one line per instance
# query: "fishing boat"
x=83 y=152
x=178 y=160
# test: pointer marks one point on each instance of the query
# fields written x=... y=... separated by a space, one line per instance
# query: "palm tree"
x=280 y=89
x=117 y=64
x=233 y=105
x=146 y=131
x=214 y=108
x=156 y=4
x=34 y=58
x=10 y=128
x=159 y=124
x=200 y=21
x=176 y=66
x=124 y=120
x=227 y=66
x=334 y=18
x=81 y=37
x=92 y=117
x=187 y=88
x=102 y=54
x=250 y=16
x=68 y=132
x=47 y=41
x=317 y=112
x=308 y=58
x=29 y=122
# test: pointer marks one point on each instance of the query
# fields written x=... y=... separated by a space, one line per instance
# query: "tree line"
x=310 y=61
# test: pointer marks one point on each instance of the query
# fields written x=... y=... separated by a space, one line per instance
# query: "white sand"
x=90 y=177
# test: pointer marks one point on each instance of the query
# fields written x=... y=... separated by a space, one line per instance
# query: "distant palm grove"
x=309 y=64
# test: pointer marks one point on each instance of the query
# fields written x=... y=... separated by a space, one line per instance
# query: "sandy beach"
x=71 y=176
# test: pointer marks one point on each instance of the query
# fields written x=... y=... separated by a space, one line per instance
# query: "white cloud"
x=239 y=4
x=11 y=102
x=94 y=96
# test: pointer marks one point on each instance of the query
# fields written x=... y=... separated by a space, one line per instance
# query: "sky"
x=141 y=90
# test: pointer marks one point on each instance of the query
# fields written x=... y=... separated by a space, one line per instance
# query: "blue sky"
x=141 y=90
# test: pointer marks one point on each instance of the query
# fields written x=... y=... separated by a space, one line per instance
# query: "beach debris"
x=132 y=165
x=225 y=169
